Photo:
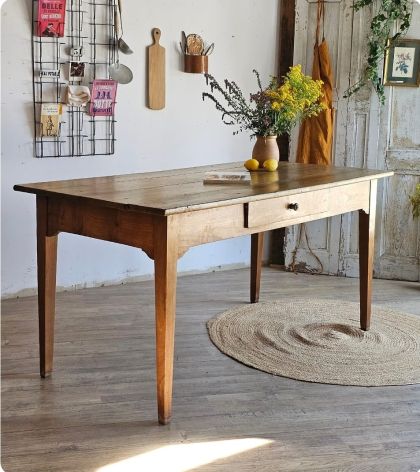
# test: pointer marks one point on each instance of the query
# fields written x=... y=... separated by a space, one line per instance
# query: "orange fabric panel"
x=316 y=133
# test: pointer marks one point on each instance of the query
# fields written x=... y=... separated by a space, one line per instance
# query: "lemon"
x=252 y=164
x=271 y=165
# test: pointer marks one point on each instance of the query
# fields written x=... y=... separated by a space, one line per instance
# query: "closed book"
x=51 y=18
x=50 y=119
x=227 y=178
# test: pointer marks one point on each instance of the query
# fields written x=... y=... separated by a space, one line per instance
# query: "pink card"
x=103 y=97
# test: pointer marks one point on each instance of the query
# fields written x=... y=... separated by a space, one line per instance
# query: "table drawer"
x=307 y=206
x=286 y=208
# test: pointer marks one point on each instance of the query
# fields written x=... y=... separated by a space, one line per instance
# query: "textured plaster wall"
x=186 y=133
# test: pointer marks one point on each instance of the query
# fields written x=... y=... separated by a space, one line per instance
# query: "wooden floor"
x=99 y=407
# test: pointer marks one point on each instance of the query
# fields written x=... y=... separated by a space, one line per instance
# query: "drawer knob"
x=293 y=206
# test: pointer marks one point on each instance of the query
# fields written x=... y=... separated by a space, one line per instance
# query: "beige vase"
x=266 y=148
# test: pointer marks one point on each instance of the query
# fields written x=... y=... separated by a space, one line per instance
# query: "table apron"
x=138 y=229
x=100 y=222
x=214 y=224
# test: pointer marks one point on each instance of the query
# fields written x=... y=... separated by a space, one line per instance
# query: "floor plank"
x=89 y=414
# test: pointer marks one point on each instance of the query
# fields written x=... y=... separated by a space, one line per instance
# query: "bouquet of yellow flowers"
x=272 y=110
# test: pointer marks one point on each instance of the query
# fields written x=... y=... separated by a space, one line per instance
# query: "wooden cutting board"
x=157 y=73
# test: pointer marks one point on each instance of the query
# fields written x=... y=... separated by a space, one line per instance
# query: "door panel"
x=366 y=135
x=324 y=235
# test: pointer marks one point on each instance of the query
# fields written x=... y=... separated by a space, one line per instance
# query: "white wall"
x=188 y=132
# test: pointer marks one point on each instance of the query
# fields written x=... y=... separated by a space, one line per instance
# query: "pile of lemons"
x=270 y=165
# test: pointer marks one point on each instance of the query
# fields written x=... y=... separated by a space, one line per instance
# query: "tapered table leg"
x=47 y=267
x=165 y=256
x=257 y=246
x=366 y=255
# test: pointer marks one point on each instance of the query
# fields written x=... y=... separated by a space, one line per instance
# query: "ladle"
x=119 y=72
x=122 y=45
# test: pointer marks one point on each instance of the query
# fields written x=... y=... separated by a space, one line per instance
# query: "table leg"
x=366 y=254
x=257 y=246
x=165 y=256
x=47 y=267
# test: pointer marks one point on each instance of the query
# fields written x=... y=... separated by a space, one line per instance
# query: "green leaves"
x=390 y=12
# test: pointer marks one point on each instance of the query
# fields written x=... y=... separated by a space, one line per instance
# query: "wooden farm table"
x=166 y=213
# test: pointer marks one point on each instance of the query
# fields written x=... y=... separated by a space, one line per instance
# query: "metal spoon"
x=184 y=43
x=120 y=73
x=209 y=50
x=122 y=45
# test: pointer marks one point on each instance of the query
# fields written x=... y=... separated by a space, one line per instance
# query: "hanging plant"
x=390 y=12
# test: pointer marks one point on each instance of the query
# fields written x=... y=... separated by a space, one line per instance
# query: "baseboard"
x=30 y=292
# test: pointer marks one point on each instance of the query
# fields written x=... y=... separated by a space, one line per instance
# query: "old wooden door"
x=366 y=135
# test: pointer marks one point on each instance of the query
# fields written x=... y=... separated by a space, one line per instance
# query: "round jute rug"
x=321 y=341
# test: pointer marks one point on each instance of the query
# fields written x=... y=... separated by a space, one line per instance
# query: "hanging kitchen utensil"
x=120 y=73
x=156 y=68
x=122 y=45
x=209 y=50
x=183 y=43
x=195 y=44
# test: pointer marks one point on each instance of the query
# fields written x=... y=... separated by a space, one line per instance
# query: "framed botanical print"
x=402 y=63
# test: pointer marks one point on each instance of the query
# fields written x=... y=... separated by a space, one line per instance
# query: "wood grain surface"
x=86 y=210
x=366 y=255
x=257 y=249
x=182 y=190
x=47 y=268
x=166 y=259
x=99 y=406
x=157 y=72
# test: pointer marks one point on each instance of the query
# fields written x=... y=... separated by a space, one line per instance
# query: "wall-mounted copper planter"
x=196 y=64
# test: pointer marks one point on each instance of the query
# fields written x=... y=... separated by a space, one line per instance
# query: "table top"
x=182 y=190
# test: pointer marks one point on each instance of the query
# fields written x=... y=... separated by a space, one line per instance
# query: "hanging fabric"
x=316 y=133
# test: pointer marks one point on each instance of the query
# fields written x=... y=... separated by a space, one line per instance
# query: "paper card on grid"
x=77 y=71
x=50 y=119
x=51 y=18
x=103 y=97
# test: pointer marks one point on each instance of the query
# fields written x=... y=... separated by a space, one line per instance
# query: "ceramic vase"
x=266 y=148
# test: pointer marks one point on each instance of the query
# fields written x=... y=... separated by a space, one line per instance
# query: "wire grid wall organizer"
x=90 y=25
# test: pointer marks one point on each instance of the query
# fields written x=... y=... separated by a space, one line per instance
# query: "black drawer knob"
x=293 y=206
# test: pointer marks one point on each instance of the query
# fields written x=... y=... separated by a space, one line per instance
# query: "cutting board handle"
x=156 y=33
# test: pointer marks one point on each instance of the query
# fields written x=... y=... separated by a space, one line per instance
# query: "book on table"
x=227 y=178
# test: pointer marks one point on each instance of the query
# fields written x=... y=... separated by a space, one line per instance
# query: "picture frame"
x=402 y=63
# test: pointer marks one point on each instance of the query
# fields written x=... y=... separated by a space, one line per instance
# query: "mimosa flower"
x=272 y=110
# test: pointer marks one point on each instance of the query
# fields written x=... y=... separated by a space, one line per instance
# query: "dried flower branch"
x=272 y=110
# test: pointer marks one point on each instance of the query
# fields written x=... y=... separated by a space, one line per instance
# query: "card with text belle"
x=51 y=18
